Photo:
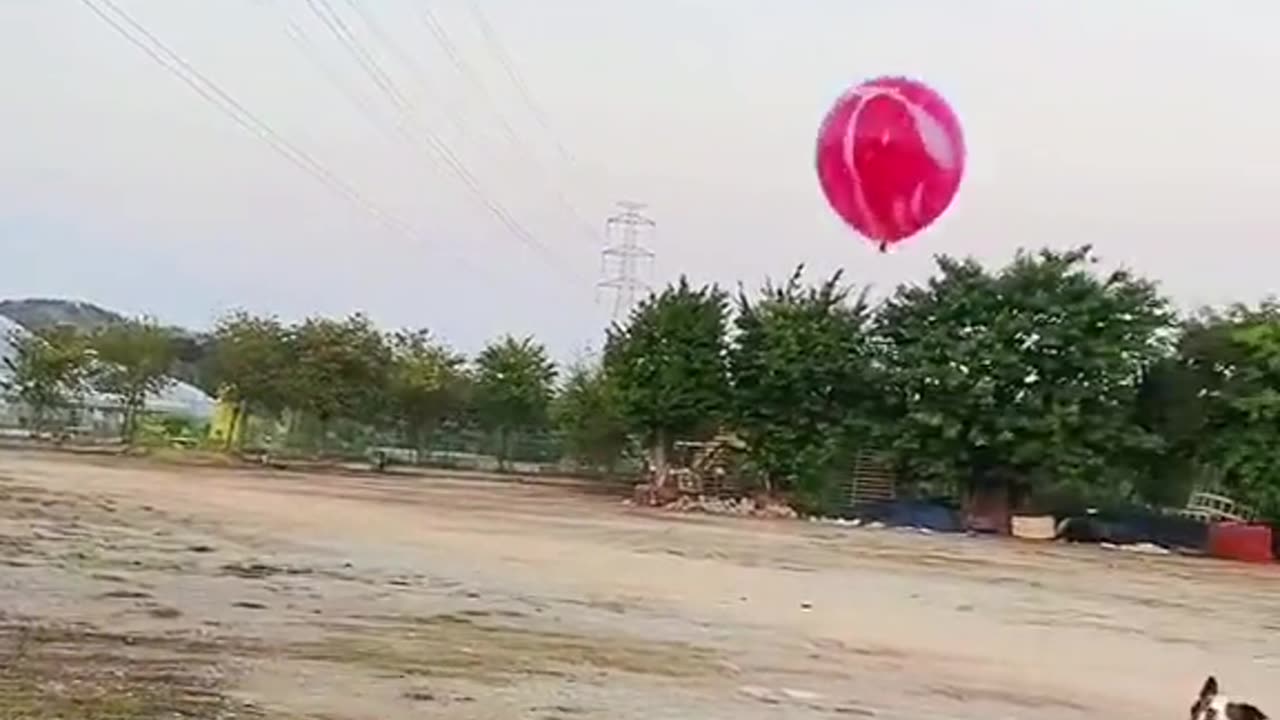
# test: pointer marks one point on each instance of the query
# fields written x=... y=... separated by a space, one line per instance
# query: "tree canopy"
x=252 y=360
x=1217 y=404
x=134 y=359
x=589 y=416
x=805 y=386
x=427 y=383
x=669 y=365
x=339 y=368
x=515 y=381
x=1074 y=382
x=47 y=371
x=1032 y=370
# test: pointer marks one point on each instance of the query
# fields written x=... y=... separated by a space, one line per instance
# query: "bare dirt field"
x=138 y=590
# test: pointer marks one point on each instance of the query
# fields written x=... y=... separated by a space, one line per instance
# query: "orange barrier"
x=1240 y=541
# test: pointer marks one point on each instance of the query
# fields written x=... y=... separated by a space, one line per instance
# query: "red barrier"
x=1239 y=541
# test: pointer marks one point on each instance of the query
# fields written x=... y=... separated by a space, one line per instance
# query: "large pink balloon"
x=890 y=158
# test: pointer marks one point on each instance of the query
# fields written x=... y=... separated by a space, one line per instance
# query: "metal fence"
x=95 y=422
x=297 y=437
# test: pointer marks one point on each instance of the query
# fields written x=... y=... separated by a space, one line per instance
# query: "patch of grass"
x=259 y=571
x=68 y=695
x=74 y=673
x=197 y=457
x=454 y=646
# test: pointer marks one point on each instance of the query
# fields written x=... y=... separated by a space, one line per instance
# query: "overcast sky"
x=1145 y=127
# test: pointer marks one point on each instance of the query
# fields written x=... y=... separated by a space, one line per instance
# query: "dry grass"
x=79 y=673
x=455 y=646
x=73 y=673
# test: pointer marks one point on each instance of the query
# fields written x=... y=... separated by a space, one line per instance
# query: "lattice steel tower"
x=624 y=255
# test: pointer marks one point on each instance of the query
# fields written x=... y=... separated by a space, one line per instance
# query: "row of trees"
x=53 y=369
x=403 y=384
x=406 y=384
x=1072 y=382
x=1044 y=373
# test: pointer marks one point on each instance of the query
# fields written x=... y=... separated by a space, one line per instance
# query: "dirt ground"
x=137 y=590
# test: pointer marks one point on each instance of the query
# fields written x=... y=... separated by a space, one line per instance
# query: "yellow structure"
x=226 y=429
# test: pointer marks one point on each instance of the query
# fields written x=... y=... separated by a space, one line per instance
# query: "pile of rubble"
x=740 y=507
x=845 y=522
x=668 y=497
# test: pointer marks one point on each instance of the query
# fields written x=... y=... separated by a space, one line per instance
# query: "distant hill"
x=41 y=313
x=37 y=314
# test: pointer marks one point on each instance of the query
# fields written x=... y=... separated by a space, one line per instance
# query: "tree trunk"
x=422 y=443
x=658 y=458
x=504 y=447
x=37 y=419
x=424 y=437
x=324 y=438
x=290 y=430
x=127 y=422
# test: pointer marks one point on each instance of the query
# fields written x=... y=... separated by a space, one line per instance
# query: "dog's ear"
x=1210 y=688
x=1244 y=711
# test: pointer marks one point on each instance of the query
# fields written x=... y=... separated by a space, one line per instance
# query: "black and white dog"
x=1212 y=706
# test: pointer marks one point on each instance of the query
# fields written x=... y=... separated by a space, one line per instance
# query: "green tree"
x=1250 y=407
x=251 y=361
x=804 y=382
x=1176 y=401
x=670 y=369
x=515 y=381
x=133 y=363
x=1028 y=373
x=1217 y=404
x=427 y=384
x=340 y=370
x=195 y=362
x=46 y=371
x=589 y=417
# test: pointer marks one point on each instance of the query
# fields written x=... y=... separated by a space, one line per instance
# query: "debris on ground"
x=740 y=507
x=843 y=522
x=1142 y=548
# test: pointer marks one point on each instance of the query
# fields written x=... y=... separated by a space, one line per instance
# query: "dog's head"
x=1213 y=706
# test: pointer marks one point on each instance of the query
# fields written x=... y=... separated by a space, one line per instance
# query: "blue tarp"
x=1120 y=528
x=912 y=513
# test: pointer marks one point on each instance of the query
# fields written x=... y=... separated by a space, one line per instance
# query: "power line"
x=302 y=41
x=625 y=253
x=509 y=67
x=408 y=115
x=465 y=69
x=135 y=33
x=420 y=75
x=394 y=134
x=382 y=82
x=398 y=98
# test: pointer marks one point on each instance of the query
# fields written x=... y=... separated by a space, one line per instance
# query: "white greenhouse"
x=177 y=399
